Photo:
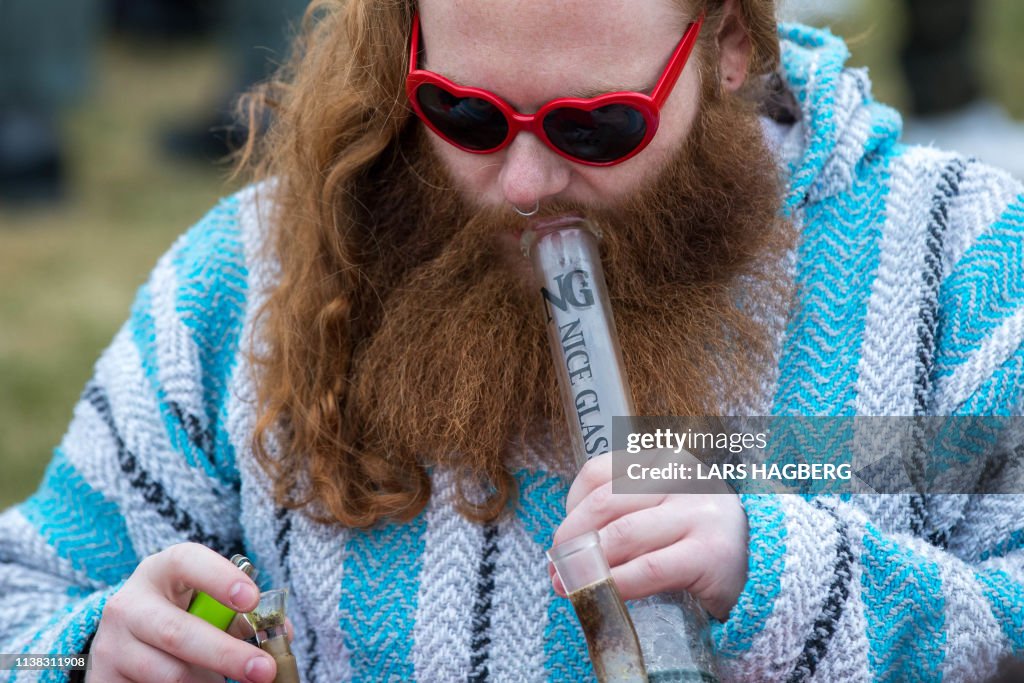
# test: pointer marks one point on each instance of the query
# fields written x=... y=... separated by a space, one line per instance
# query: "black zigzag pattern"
x=153 y=491
x=948 y=188
x=202 y=439
x=481 y=639
x=816 y=646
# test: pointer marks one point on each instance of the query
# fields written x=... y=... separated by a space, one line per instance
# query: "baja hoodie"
x=908 y=299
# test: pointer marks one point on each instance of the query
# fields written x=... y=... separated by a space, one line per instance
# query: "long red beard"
x=452 y=365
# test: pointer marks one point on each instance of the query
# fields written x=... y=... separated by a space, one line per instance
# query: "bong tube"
x=672 y=628
x=611 y=638
x=269 y=622
x=581 y=331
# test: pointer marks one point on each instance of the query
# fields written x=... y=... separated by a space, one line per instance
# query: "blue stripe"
x=541 y=510
x=143 y=330
x=836 y=265
x=83 y=623
x=985 y=287
x=1015 y=541
x=797 y=441
x=80 y=524
x=811 y=54
x=1000 y=394
x=1006 y=598
x=886 y=126
x=378 y=599
x=767 y=560
x=210 y=301
x=905 y=611
x=34 y=645
x=812 y=61
x=210 y=266
x=82 y=619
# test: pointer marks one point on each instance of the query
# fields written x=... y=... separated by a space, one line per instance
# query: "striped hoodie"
x=909 y=300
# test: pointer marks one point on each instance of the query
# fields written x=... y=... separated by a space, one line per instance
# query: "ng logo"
x=573 y=290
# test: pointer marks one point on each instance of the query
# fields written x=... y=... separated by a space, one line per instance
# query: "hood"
x=839 y=123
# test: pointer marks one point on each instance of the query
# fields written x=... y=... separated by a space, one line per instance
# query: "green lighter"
x=213 y=612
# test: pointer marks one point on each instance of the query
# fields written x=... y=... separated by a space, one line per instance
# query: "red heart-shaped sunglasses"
x=597 y=131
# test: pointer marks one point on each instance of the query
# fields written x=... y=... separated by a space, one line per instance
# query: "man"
x=342 y=371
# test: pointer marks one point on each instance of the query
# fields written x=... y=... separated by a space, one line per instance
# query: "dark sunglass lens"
x=469 y=121
x=604 y=134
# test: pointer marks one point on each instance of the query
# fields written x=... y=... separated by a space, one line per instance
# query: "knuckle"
x=709 y=508
x=177 y=557
x=163 y=672
x=146 y=565
x=116 y=608
x=102 y=651
x=227 y=661
x=172 y=636
x=601 y=500
x=652 y=571
x=619 y=532
x=592 y=475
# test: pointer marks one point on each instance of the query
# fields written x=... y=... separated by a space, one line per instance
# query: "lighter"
x=216 y=613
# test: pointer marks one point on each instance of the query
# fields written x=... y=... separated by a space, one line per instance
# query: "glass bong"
x=672 y=629
x=268 y=621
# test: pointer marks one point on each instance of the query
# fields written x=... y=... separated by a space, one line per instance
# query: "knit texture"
x=909 y=300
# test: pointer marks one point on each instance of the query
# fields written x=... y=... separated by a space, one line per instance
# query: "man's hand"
x=694 y=542
x=146 y=635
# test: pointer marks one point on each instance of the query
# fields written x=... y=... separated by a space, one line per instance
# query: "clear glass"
x=611 y=639
x=268 y=621
x=581 y=331
x=672 y=628
x=675 y=638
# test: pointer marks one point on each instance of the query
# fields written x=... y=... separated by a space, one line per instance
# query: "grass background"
x=68 y=274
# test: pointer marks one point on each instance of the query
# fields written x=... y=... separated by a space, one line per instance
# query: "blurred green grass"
x=69 y=274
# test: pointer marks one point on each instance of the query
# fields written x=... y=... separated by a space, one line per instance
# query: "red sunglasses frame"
x=649 y=106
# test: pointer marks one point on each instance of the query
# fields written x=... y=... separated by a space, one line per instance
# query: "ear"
x=734 y=47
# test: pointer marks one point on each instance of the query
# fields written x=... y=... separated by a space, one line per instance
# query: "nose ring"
x=532 y=212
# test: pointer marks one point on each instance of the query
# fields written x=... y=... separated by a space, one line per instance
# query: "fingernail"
x=241 y=596
x=259 y=670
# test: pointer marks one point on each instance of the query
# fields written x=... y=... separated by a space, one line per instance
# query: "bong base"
x=681 y=677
